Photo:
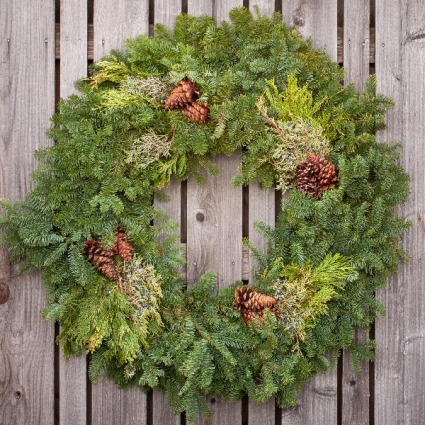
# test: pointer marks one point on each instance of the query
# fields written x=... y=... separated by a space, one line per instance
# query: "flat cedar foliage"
x=269 y=92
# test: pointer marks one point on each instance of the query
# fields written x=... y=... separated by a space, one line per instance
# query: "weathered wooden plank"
x=223 y=7
x=355 y=387
x=214 y=242
x=27 y=69
x=206 y=8
x=316 y=403
x=316 y=19
x=267 y=7
x=356 y=41
x=113 y=23
x=116 y=21
x=73 y=40
x=214 y=225
x=200 y=7
x=165 y=13
x=114 y=406
x=400 y=69
x=261 y=208
x=161 y=412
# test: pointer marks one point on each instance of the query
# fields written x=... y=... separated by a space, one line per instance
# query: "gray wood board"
x=355 y=387
x=114 y=406
x=267 y=7
x=400 y=336
x=114 y=22
x=316 y=19
x=27 y=70
x=165 y=13
x=214 y=243
x=162 y=413
x=73 y=41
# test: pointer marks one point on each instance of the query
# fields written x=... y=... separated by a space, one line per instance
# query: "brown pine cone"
x=316 y=175
x=122 y=246
x=245 y=297
x=248 y=315
x=197 y=112
x=101 y=259
x=183 y=94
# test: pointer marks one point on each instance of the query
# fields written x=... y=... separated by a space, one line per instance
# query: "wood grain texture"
x=27 y=72
x=200 y=7
x=162 y=413
x=114 y=406
x=115 y=21
x=206 y=8
x=261 y=208
x=316 y=19
x=355 y=387
x=316 y=403
x=223 y=7
x=165 y=13
x=267 y=7
x=400 y=69
x=73 y=66
x=214 y=243
x=214 y=225
x=356 y=41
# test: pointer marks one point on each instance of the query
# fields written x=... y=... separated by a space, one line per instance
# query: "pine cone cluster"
x=185 y=95
x=122 y=246
x=252 y=304
x=102 y=258
x=316 y=175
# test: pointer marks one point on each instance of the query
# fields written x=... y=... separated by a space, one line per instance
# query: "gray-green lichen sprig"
x=277 y=99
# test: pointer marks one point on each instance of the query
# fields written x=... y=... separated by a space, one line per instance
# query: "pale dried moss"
x=149 y=148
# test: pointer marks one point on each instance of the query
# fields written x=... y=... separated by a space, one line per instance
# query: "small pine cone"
x=327 y=177
x=183 y=94
x=197 y=112
x=246 y=298
x=248 y=315
x=122 y=246
x=101 y=259
x=316 y=175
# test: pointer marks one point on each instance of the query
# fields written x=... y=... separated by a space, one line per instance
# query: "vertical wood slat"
x=27 y=70
x=165 y=12
x=400 y=69
x=113 y=23
x=214 y=230
x=355 y=387
x=214 y=242
x=267 y=7
x=316 y=19
x=317 y=402
x=73 y=42
x=261 y=207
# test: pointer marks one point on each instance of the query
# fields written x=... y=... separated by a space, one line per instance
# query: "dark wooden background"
x=44 y=46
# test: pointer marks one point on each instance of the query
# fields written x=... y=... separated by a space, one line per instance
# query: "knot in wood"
x=200 y=217
x=4 y=292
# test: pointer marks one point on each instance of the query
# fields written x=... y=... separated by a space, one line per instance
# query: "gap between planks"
x=151 y=27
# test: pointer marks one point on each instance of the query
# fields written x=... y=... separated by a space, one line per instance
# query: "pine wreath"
x=163 y=109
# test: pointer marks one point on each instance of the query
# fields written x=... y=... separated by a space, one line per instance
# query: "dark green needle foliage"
x=272 y=94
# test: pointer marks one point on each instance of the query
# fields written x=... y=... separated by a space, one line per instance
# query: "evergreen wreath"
x=163 y=109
